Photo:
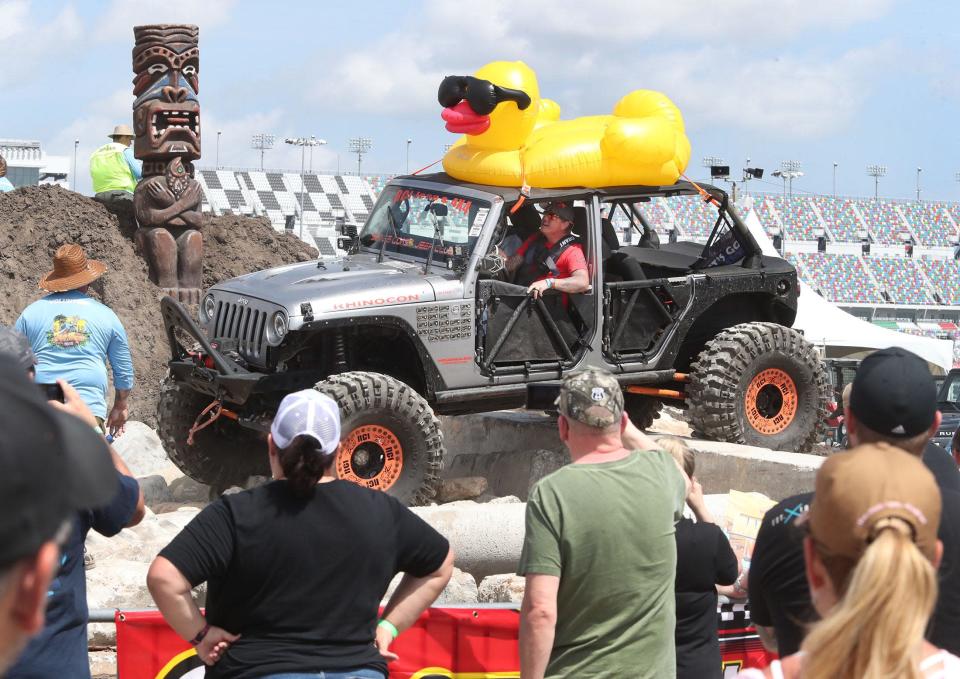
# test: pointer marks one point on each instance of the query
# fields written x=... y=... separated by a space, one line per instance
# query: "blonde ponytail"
x=876 y=629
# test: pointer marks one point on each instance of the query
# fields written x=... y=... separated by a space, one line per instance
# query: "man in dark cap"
x=599 y=554
x=60 y=648
x=893 y=399
x=51 y=466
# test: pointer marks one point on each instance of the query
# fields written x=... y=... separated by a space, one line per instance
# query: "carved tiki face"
x=166 y=113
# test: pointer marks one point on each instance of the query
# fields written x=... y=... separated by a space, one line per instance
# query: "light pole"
x=790 y=170
x=218 y=148
x=76 y=145
x=876 y=171
x=303 y=143
x=262 y=142
x=359 y=145
x=835 y=178
x=919 y=170
x=409 y=141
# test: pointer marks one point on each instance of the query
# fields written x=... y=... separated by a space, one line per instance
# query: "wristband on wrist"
x=200 y=635
x=549 y=282
x=387 y=625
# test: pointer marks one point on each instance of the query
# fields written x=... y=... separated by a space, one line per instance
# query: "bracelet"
x=200 y=635
x=387 y=625
x=549 y=283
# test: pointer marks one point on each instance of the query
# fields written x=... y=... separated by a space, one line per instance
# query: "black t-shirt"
x=301 y=581
x=779 y=597
x=704 y=560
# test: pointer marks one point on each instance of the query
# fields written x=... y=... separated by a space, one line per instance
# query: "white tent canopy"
x=842 y=335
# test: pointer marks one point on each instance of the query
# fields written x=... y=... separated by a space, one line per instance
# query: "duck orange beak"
x=461 y=119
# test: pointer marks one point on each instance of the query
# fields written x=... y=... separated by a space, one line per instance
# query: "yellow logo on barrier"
x=186 y=665
x=444 y=673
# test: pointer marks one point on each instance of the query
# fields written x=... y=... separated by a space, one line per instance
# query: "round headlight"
x=208 y=308
x=279 y=322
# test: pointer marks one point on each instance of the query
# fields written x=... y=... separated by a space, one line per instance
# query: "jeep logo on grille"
x=243 y=301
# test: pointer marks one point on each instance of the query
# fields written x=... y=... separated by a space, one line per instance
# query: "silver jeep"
x=420 y=318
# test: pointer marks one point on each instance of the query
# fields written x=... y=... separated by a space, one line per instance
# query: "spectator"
x=893 y=400
x=704 y=560
x=955 y=446
x=5 y=184
x=73 y=334
x=599 y=553
x=871 y=555
x=51 y=466
x=114 y=169
x=296 y=568
x=61 y=647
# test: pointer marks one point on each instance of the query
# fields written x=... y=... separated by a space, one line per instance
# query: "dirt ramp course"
x=36 y=220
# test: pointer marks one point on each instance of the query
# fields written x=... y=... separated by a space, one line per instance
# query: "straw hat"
x=71 y=270
x=122 y=131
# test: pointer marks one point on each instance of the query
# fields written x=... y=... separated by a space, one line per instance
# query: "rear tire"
x=391 y=440
x=759 y=384
x=222 y=455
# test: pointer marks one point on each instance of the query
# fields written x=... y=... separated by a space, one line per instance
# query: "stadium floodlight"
x=835 y=163
x=919 y=170
x=303 y=143
x=789 y=170
x=710 y=161
x=359 y=145
x=876 y=171
x=262 y=142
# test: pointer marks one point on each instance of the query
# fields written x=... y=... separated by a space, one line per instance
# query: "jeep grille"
x=245 y=325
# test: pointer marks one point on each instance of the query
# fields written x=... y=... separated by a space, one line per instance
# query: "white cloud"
x=31 y=46
x=118 y=20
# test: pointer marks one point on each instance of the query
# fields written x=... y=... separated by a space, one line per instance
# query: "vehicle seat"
x=609 y=235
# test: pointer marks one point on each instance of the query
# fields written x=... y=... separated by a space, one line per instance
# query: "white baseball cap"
x=307 y=413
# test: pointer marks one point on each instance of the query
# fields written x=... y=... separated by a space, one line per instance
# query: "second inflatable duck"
x=512 y=136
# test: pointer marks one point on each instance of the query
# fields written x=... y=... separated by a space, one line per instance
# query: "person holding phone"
x=73 y=335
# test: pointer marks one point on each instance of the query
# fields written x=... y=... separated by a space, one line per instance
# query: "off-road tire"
x=763 y=364
x=392 y=416
x=642 y=410
x=222 y=455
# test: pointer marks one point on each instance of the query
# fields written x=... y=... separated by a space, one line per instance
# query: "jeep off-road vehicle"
x=420 y=318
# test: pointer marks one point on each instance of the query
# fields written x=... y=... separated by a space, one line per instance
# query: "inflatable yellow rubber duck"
x=512 y=136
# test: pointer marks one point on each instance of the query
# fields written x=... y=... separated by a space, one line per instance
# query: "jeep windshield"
x=404 y=222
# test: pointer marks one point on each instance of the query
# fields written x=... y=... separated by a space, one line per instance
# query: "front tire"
x=759 y=384
x=390 y=438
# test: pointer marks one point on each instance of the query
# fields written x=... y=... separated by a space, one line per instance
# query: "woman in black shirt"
x=296 y=568
x=704 y=560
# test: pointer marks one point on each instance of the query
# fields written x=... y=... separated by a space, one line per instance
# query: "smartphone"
x=52 y=392
x=542 y=395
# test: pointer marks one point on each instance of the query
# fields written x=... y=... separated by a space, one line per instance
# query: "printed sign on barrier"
x=445 y=643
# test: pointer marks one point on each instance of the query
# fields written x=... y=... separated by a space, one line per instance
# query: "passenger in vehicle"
x=552 y=258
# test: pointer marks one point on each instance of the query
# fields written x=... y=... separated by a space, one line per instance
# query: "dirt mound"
x=36 y=220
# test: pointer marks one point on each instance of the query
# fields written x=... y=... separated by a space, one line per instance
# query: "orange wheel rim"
x=370 y=456
x=771 y=401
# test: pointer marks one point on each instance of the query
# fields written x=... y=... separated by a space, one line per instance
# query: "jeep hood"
x=338 y=286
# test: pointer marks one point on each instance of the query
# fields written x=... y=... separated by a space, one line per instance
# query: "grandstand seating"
x=944 y=276
x=799 y=216
x=930 y=222
x=767 y=213
x=901 y=279
x=693 y=218
x=838 y=278
x=842 y=222
x=883 y=220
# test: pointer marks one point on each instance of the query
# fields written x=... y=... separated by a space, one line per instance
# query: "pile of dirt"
x=36 y=220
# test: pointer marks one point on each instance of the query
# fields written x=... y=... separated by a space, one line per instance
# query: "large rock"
x=508 y=472
x=506 y=588
x=462 y=589
x=462 y=488
x=155 y=490
x=118 y=583
x=140 y=448
x=501 y=430
x=186 y=489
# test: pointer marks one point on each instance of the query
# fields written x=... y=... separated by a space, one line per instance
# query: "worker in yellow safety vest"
x=114 y=170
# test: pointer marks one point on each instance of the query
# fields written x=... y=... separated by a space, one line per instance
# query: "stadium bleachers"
x=798 y=215
x=693 y=218
x=882 y=220
x=838 y=278
x=901 y=279
x=944 y=276
x=841 y=220
x=930 y=222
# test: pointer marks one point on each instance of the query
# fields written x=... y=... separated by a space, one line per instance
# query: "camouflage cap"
x=592 y=397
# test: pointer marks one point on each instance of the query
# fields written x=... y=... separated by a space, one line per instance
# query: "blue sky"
x=855 y=82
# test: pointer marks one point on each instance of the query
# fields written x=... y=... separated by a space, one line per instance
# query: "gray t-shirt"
x=607 y=530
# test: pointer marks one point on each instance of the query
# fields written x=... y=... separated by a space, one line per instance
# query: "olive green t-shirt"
x=607 y=530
